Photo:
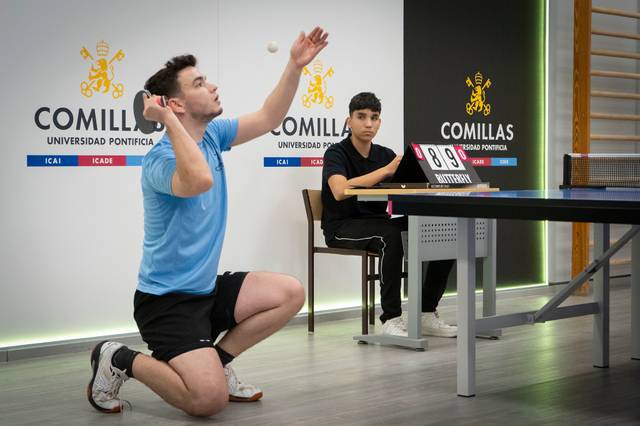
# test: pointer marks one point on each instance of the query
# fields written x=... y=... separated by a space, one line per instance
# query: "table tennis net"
x=601 y=170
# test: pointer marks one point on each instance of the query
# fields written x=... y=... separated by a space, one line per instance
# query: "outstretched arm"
x=267 y=118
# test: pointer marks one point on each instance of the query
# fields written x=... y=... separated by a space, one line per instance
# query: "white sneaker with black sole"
x=106 y=380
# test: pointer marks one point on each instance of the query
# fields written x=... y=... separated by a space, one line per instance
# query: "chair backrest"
x=312 y=204
x=313 y=207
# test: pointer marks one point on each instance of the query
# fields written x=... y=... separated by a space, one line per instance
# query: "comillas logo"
x=314 y=126
x=101 y=72
x=317 y=88
x=478 y=130
x=478 y=98
x=300 y=137
x=82 y=125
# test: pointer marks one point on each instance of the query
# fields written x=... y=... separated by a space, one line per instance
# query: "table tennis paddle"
x=145 y=126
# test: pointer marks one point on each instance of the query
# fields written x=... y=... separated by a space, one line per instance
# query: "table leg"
x=489 y=278
x=600 y=350
x=466 y=256
x=414 y=277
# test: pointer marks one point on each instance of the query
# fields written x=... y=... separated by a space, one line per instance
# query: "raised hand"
x=306 y=47
x=155 y=108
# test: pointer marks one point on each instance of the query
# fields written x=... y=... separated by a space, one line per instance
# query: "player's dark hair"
x=165 y=81
x=365 y=100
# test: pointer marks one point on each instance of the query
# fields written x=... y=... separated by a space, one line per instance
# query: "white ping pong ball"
x=272 y=47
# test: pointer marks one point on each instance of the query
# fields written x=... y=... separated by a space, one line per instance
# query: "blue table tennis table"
x=601 y=207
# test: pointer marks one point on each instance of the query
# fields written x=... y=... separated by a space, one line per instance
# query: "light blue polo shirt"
x=183 y=236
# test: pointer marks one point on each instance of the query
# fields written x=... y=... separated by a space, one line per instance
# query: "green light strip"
x=54 y=338
x=506 y=287
x=336 y=306
x=543 y=109
x=546 y=132
x=517 y=287
x=543 y=41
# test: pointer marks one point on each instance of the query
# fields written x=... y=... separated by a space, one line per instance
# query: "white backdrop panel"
x=72 y=236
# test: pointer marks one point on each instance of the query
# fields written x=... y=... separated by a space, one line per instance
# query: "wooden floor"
x=538 y=374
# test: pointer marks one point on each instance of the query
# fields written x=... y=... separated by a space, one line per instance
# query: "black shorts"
x=175 y=323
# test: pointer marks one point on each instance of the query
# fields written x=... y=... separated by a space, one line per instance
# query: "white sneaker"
x=395 y=327
x=105 y=383
x=432 y=325
x=238 y=391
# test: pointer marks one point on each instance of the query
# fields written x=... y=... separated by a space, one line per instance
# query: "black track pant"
x=382 y=236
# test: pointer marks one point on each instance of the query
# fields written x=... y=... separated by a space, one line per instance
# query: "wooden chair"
x=313 y=206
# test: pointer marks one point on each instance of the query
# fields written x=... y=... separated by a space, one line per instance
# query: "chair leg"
x=310 y=291
x=372 y=290
x=365 y=299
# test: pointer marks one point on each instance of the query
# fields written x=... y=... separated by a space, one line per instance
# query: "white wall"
x=560 y=104
x=72 y=236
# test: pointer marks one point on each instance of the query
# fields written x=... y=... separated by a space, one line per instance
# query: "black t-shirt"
x=343 y=159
